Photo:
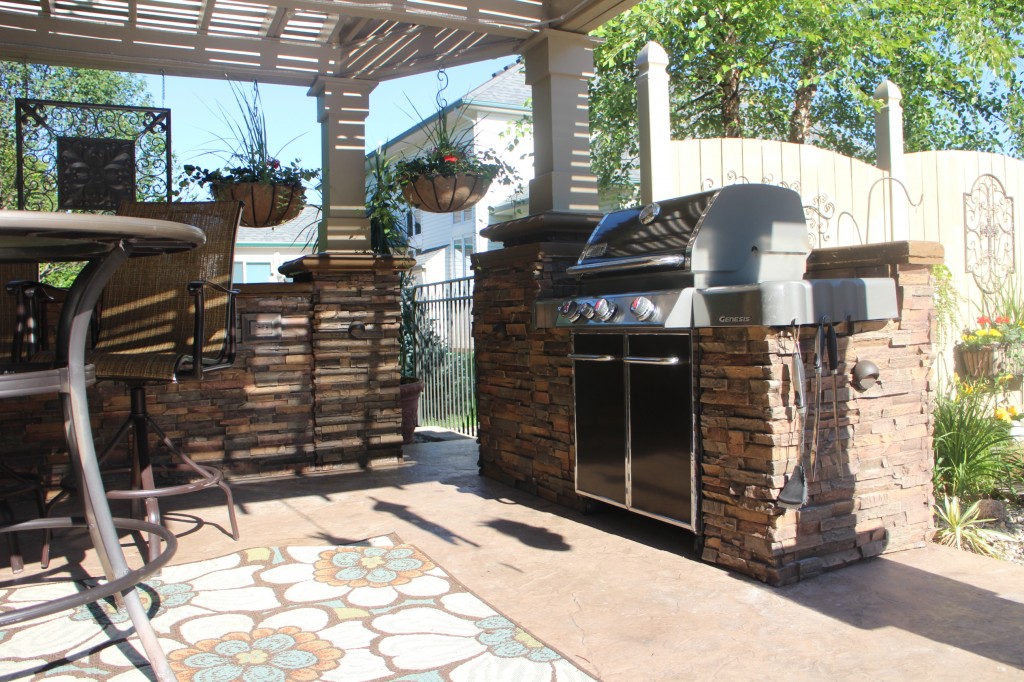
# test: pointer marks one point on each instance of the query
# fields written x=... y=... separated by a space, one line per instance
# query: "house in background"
x=260 y=251
x=444 y=242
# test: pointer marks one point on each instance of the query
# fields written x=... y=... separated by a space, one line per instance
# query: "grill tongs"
x=794 y=493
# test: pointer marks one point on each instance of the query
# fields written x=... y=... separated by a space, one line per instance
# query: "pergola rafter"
x=282 y=41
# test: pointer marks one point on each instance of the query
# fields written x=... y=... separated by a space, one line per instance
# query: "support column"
x=343 y=105
x=656 y=179
x=355 y=318
x=889 y=157
x=559 y=66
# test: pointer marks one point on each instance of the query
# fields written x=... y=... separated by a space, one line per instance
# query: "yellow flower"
x=1002 y=414
x=1013 y=410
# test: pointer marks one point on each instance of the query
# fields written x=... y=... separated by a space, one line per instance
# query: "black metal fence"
x=444 y=354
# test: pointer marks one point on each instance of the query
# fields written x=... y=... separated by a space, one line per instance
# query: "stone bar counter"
x=314 y=386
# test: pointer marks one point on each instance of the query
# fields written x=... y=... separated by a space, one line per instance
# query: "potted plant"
x=410 y=385
x=449 y=173
x=273 y=192
x=384 y=208
x=981 y=352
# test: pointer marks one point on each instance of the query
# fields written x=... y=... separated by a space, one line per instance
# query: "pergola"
x=340 y=50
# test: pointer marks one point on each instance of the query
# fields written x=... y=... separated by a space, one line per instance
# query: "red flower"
x=274 y=163
x=1002 y=319
x=983 y=320
x=451 y=158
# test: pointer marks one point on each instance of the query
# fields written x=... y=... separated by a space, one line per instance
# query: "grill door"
x=660 y=425
x=599 y=380
x=634 y=422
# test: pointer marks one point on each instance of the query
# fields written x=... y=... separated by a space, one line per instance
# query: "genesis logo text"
x=726 y=319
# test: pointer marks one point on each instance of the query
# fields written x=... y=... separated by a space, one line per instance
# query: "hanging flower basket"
x=445 y=193
x=981 y=362
x=266 y=204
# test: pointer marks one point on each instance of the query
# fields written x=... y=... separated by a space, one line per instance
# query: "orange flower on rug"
x=287 y=654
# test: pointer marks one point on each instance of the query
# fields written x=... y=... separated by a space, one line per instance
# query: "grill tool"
x=833 y=368
x=794 y=493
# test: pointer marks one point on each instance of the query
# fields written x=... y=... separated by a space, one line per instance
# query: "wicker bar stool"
x=166 y=319
x=19 y=338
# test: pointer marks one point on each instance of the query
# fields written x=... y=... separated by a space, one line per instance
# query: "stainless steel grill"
x=649 y=276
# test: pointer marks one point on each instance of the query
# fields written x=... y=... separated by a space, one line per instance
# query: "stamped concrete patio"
x=625 y=597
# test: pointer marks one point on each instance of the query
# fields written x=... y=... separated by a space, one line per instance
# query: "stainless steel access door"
x=634 y=422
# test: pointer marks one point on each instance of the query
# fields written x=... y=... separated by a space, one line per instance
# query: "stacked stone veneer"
x=524 y=377
x=324 y=396
x=870 y=495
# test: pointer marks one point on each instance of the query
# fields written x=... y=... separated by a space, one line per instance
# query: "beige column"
x=343 y=105
x=656 y=175
x=559 y=66
x=889 y=157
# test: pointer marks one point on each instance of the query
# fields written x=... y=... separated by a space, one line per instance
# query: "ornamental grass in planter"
x=272 y=192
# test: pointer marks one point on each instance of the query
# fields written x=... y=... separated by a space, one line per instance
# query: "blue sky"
x=196 y=105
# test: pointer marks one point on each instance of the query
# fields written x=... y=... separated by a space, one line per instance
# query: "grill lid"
x=733 y=235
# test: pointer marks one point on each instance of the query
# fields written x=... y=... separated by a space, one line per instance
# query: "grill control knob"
x=587 y=310
x=570 y=310
x=604 y=310
x=643 y=308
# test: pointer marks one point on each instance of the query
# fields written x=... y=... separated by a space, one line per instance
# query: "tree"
x=805 y=70
x=59 y=83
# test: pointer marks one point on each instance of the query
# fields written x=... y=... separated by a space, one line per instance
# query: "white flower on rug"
x=471 y=642
x=367 y=577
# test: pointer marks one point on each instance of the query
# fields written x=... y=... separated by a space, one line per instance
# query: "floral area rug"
x=374 y=611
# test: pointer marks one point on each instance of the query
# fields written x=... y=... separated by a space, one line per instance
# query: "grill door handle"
x=593 y=358
x=634 y=360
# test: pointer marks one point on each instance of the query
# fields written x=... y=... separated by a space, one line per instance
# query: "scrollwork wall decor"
x=989 y=250
x=819 y=214
x=76 y=156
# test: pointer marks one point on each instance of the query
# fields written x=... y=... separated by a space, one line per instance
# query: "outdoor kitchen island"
x=865 y=452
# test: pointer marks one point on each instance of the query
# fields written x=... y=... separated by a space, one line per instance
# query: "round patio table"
x=104 y=241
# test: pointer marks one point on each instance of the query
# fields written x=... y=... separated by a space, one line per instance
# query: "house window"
x=462 y=252
x=252 y=272
x=463 y=216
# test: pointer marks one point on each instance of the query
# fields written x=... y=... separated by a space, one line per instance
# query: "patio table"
x=105 y=242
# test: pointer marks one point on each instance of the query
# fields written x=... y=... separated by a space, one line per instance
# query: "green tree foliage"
x=58 y=83
x=805 y=71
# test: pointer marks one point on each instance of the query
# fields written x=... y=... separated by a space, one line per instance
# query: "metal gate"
x=444 y=354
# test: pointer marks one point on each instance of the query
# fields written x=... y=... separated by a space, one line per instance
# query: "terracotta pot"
x=266 y=204
x=409 y=396
x=445 y=193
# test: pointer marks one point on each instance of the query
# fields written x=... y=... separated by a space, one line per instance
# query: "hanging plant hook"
x=442 y=85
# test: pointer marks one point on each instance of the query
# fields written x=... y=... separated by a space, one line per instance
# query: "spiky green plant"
x=961 y=528
x=970 y=446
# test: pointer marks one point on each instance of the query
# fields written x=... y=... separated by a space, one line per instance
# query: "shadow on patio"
x=624 y=596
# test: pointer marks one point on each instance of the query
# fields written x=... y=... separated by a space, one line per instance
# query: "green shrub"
x=971 y=447
x=961 y=528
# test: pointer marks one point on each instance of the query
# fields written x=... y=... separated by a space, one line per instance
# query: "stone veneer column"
x=871 y=497
x=524 y=378
x=356 y=309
